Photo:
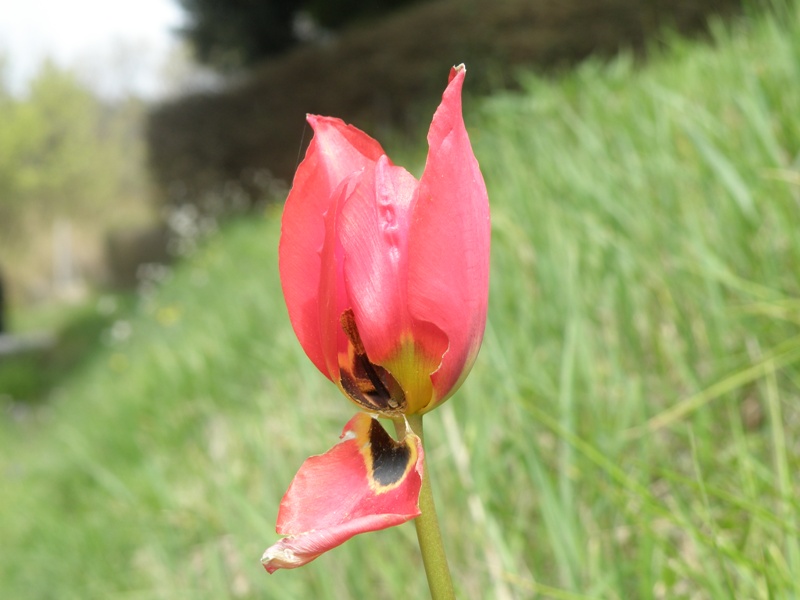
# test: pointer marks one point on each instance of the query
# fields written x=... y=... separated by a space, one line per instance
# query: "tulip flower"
x=386 y=283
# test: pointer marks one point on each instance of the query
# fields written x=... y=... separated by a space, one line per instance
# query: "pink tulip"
x=386 y=282
x=386 y=277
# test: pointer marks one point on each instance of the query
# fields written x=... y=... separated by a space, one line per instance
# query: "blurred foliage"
x=65 y=153
x=387 y=76
x=79 y=331
x=339 y=13
x=229 y=34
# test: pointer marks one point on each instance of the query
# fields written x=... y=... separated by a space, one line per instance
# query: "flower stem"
x=428 y=534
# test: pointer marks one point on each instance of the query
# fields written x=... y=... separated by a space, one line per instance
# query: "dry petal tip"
x=279 y=557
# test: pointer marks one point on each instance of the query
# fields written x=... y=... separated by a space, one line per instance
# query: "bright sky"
x=113 y=42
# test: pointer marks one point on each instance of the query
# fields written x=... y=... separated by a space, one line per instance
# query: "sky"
x=115 y=44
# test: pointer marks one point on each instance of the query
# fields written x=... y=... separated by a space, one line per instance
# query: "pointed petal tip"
x=456 y=70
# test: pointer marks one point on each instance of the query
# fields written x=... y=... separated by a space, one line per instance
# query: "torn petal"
x=367 y=482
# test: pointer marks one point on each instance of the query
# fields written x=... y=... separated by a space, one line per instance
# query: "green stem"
x=428 y=534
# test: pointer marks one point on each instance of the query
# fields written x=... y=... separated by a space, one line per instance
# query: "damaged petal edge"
x=278 y=556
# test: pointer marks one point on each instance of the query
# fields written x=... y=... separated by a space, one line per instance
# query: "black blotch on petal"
x=371 y=386
x=389 y=458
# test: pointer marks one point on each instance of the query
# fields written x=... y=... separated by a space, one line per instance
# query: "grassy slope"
x=629 y=431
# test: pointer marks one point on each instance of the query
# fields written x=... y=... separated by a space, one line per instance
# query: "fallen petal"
x=367 y=482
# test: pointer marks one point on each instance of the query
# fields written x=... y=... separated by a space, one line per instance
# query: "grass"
x=629 y=430
x=27 y=377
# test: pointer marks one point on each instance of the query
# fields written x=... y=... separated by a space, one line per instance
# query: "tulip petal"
x=374 y=236
x=332 y=298
x=365 y=483
x=448 y=264
x=336 y=151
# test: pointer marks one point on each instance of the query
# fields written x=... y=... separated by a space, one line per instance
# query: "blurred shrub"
x=229 y=34
x=382 y=75
x=130 y=248
x=65 y=155
x=62 y=152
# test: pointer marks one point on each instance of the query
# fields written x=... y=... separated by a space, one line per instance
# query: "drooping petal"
x=365 y=483
x=336 y=151
x=448 y=266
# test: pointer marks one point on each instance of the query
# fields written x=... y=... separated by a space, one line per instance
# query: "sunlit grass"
x=630 y=428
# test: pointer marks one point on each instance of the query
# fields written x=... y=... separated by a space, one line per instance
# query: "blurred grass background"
x=630 y=429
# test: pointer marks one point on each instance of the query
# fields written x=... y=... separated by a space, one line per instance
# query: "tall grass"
x=629 y=430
